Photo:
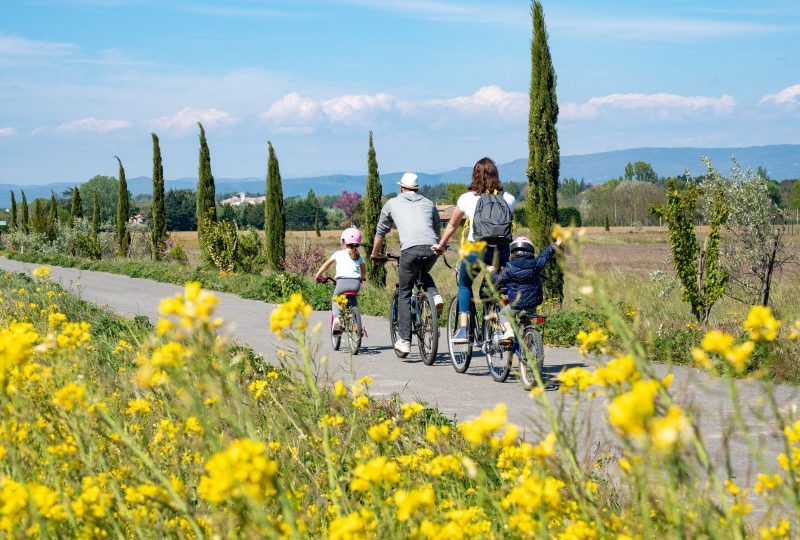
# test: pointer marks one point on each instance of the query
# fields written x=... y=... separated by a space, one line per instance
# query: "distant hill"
x=781 y=161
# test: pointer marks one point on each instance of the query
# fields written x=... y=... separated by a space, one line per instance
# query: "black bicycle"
x=424 y=318
x=529 y=349
x=484 y=331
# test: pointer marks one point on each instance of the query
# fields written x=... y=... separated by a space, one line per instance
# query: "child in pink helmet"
x=350 y=270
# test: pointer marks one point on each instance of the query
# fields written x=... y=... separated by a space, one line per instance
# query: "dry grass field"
x=623 y=257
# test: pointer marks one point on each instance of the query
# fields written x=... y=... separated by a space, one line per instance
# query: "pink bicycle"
x=350 y=316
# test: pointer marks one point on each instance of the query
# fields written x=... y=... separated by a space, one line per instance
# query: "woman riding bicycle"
x=350 y=271
x=485 y=181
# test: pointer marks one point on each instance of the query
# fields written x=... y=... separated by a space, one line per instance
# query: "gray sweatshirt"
x=415 y=217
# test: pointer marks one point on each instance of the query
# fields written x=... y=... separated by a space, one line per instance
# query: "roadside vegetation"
x=113 y=427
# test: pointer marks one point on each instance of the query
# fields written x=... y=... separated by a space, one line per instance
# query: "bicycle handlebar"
x=325 y=279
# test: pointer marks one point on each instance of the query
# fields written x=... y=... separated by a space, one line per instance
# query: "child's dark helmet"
x=521 y=243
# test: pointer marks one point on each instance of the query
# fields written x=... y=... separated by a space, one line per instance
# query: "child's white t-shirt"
x=468 y=201
x=346 y=267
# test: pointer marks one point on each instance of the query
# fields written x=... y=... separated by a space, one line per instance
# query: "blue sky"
x=442 y=83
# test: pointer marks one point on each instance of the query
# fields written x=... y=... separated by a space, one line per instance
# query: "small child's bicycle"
x=529 y=348
x=350 y=317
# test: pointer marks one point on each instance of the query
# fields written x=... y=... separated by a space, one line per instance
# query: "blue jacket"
x=522 y=278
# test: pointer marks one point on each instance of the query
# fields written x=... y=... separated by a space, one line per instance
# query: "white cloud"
x=661 y=103
x=7 y=132
x=187 y=118
x=294 y=113
x=297 y=114
x=661 y=28
x=788 y=96
x=19 y=46
x=353 y=108
x=93 y=124
x=491 y=99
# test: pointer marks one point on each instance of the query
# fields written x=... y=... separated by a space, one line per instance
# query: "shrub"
x=177 y=254
x=305 y=261
x=569 y=216
x=561 y=327
x=249 y=256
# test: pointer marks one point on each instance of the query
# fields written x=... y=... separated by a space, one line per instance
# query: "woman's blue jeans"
x=496 y=256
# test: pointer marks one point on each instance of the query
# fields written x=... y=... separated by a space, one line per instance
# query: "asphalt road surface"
x=457 y=395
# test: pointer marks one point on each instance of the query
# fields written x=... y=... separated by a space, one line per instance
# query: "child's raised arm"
x=324 y=267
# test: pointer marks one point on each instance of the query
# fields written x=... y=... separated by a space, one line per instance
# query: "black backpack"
x=492 y=220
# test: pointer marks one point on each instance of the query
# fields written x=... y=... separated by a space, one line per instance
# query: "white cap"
x=409 y=181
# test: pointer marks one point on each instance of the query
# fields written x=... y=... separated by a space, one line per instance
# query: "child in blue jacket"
x=522 y=278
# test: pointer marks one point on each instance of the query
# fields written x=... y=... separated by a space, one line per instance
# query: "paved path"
x=457 y=395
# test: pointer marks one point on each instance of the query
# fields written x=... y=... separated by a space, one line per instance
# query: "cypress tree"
x=543 y=151
x=372 y=211
x=158 y=233
x=206 y=205
x=607 y=225
x=76 y=211
x=316 y=225
x=274 y=216
x=52 y=220
x=123 y=211
x=95 y=216
x=24 y=217
x=12 y=224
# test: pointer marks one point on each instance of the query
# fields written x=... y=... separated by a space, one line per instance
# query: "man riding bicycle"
x=418 y=226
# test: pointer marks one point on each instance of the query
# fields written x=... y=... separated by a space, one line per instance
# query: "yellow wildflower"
x=469 y=248
x=243 y=469
x=481 y=429
x=616 y=371
x=739 y=355
x=383 y=432
x=409 y=501
x=411 y=409
x=138 y=406
x=591 y=341
x=717 y=342
x=576 y=377
x=378 y=470
x=69 y=396
x=353 y=526
x=670 y=430
x=293 y=313
x=41 y=272
x=761 y=324
x=628 y=411
x=339 y=389
x=74 y=335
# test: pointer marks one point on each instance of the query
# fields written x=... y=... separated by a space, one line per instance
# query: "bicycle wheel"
x=496 y=358
x=460 y=353
x=354 y=331
x=428 y=328
x=393 y=327
x=532 y=357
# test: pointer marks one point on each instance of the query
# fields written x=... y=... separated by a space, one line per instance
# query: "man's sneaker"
x=402 y=346
x=508 y=335
x=438 y=301
x=337 y=325
x=460 y=336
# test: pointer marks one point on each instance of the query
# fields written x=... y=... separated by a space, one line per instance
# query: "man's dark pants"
x=413 y=261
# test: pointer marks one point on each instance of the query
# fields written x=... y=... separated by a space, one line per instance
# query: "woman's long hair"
x=485 y=177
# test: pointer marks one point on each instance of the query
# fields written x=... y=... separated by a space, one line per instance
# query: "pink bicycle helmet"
x=351 y=236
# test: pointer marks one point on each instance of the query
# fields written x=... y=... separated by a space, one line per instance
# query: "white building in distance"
x=241 y=198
